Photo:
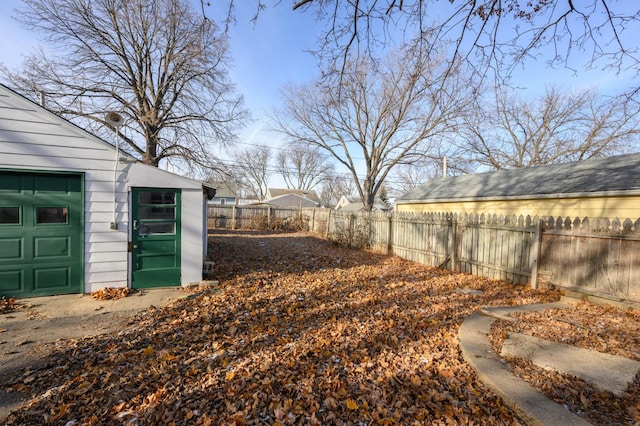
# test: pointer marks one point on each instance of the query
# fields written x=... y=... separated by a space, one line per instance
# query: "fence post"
x=534 y=256
x=233 y=217
x=269 y=216
x=312 y=226
x=352 y=220
x=454 y=244
x=328 y=224
x=390 y=234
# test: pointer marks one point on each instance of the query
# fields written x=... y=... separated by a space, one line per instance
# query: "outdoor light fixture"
x=115 y=120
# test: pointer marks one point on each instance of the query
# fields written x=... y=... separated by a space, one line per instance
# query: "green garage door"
x=41 y=234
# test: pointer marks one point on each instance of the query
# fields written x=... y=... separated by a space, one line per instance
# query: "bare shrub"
x=353 y=235
x=259 y=222
x=287 y=224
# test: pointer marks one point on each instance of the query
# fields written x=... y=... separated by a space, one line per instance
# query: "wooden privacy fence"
x=599 y=256
x=493 y=247
x=266 y=217
x=592 y=256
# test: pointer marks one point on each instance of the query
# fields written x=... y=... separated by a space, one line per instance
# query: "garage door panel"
x=55 y=184
x=12 y=280
x=46 y=247
x=11 y=184
x=11 y=249
x=51 y=278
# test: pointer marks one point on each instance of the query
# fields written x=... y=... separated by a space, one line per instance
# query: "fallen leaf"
x=352 y=405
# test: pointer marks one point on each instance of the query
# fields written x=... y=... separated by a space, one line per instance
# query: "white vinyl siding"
x=34 y=139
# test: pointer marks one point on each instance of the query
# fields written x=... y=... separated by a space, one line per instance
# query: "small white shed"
x=76 y=215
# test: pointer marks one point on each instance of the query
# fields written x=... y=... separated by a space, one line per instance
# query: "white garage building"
x=75 y=217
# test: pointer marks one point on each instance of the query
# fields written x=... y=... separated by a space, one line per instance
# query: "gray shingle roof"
x=309 y=194
x=225 y=189
x=356 y=205
x=619 y=173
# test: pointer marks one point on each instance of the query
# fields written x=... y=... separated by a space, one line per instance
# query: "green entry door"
x=155 y=237
x=41 y=234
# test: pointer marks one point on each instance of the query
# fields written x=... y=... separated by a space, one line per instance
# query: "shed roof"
x=225 y=189
x=581 y=178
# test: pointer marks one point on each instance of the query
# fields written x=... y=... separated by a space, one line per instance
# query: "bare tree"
x=303 y=166
x=334 y=187
x=448 y=160
x=490 y=34
x=554 y=128
x=158 y=63
x=253 y=167
x=381 y=116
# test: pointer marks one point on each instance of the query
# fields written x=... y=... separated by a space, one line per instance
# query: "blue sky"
x=266 y=56
x=273 y=52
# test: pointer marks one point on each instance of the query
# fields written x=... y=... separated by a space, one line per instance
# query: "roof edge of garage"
x=594 y=194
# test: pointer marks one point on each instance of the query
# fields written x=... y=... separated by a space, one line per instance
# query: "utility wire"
x=272 y=169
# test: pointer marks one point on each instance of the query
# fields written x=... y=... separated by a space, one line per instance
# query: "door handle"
x=135 y=225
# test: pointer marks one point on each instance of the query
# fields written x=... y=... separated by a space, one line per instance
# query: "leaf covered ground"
x=297 y=332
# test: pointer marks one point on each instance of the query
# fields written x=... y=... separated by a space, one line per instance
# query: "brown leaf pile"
x=7 y=305
x=602 y=328
x=111 y=293
x=298 y=332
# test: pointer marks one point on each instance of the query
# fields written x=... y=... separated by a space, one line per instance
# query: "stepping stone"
x=609 y=372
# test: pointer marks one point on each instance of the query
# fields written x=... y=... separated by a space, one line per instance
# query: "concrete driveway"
x=29 y=332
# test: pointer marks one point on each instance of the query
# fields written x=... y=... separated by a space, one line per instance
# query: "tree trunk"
x=151 y=153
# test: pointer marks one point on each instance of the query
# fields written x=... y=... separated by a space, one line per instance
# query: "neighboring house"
x=75 y=217
x=226 y=194
x=292 y=198
x=248 y=201
x=601 y=187
x=354 y=204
